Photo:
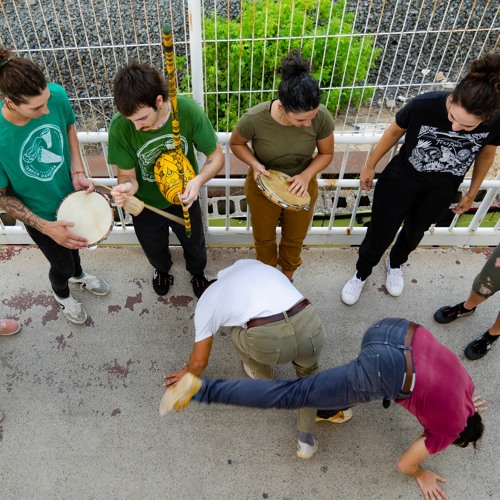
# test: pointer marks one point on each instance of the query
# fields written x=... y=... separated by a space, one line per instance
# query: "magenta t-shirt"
x=442 y=397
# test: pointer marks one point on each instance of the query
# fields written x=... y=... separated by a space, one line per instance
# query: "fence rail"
x=370 y=58
x=483 y=228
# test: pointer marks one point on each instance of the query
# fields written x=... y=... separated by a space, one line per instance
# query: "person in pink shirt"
x=399 y=361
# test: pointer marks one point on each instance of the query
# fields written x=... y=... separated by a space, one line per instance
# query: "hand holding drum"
x=90 y=213
x=275 y=188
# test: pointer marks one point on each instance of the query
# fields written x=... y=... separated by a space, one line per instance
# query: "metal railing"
x=234 y=228
x=370 y=57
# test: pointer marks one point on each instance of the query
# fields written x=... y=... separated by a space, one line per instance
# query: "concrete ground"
x=81 y=402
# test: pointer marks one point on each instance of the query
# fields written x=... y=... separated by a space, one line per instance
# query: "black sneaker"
x=478 y=348
x=200 y=284
x=162 y=282
x=447 y=314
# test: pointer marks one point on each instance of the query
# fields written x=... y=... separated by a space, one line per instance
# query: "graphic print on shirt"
x=42 y=153
x=449 y=152
x=149 y=152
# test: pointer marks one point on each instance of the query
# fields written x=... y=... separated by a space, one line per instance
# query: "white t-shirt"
x=247 y=289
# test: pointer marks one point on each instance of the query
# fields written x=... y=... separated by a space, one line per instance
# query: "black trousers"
x=64 y=263
x=152 y=231
x=403 y=196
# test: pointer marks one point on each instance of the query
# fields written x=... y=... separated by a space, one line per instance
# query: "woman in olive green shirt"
x=294 y=135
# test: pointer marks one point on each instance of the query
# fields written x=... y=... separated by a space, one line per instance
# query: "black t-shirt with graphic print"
x=431 y=146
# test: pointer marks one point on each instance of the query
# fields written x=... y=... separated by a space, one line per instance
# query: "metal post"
x=195 y=50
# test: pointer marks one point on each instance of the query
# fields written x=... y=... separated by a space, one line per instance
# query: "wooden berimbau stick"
x=135 y=206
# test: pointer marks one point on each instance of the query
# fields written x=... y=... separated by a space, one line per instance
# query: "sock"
x=490 y=338
x=63 y=294
x=462 y=305
x=306 y=437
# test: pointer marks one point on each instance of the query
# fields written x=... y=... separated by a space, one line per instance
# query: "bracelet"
x=78 y=172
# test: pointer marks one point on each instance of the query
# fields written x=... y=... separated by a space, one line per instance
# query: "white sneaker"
x=352 y=290
x=306 y=451
x=92 y=283
x=394 y=281
x=72 y=309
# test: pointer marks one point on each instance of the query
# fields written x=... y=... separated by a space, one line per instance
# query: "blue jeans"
x=376 y=374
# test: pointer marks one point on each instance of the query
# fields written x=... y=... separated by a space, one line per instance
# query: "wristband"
x=78 y=172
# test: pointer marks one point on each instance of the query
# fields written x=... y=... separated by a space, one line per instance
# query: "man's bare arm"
x=410 y=463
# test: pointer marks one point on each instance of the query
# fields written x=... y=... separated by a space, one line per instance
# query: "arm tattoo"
x=14 y=207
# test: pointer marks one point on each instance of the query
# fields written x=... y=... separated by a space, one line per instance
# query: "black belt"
x=280 y=316
x=405 y=390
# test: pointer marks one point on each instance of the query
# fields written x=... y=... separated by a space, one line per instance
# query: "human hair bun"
x=5 y=53
x=293 y=65
x=487 y=69
x=298 y=91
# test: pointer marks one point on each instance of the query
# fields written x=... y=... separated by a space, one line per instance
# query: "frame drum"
x=275 y=189
x=91 y=213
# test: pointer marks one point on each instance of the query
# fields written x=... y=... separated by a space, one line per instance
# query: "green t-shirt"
x=130 y=148
x=278 y=147
x=35 y=160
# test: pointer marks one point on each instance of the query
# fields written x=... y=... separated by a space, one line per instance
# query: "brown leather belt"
x=408 y=358
x=280 y=316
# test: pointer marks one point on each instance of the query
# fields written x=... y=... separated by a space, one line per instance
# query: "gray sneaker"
x=92 y=283
x=72 y=309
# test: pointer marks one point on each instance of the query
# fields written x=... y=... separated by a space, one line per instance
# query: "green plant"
x=241 y=56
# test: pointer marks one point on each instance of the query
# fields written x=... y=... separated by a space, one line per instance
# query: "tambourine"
x=275 y=188
x=91 y=214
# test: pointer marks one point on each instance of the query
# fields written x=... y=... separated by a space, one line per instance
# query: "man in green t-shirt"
x=138 y=134
x=40 y=165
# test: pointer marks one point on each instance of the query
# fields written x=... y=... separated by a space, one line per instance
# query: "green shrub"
x=240 y=68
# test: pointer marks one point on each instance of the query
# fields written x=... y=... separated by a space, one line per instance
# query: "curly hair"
x=472 y=432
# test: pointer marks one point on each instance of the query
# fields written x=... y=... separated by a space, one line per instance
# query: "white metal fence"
x=369 y=55
x=338 y=199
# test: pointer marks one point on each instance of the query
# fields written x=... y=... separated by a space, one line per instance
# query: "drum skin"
x=168 y=175
x=275 y=188
x=91 y=214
